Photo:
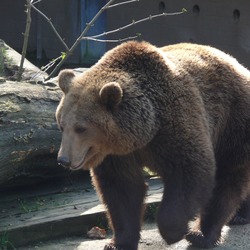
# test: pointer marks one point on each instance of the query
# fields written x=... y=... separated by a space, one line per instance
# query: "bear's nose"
x=64 y=161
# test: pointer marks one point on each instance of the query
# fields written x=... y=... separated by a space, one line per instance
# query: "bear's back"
x=223 y=83
x=205 y=60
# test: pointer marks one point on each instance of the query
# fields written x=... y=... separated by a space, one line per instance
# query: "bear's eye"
x=80 y=130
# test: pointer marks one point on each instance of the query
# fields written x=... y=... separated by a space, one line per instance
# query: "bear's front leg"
x=120 y=184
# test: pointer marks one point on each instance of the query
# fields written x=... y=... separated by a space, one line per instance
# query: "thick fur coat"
x=182 y=110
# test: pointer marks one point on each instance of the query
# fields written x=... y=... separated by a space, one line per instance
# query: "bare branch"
x=149 y=18
x=52 y=26
x=110 y=41
x=82 y=36
x=125 y=2
x=47 y=66
x=51 y=63
x=88 y=26
x=38 y=1
x=26 y=38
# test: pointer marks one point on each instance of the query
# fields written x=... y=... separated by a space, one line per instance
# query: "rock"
x=96 y=233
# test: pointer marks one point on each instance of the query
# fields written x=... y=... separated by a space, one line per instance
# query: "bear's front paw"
x=198 y=240
x=111 y=246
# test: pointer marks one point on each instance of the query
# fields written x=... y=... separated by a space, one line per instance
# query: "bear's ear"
x=65 y=79
x=111 y=94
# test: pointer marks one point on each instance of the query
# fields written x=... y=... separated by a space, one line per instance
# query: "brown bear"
x=182 y=110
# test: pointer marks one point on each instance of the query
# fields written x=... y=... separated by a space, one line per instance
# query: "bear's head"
x=102 y=112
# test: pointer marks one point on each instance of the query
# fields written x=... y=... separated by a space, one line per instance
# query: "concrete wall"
x=12 y=24
x=69 y=18
x=223 y=24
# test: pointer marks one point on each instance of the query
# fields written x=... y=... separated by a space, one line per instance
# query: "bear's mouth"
x=86 y=158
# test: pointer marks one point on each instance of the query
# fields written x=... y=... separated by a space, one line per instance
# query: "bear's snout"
x=64 y=161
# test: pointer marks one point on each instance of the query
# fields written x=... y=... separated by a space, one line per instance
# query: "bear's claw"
x=198 y=240
x=111 y=246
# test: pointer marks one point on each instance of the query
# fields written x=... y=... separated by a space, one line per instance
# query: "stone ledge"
x=31 y=217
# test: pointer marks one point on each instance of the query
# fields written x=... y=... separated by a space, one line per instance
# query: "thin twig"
x=110 y=40
x=47 y=66
x=125 y=2
x=38 y=1
x=26 y=39
x=52 y=26
x=149 y=18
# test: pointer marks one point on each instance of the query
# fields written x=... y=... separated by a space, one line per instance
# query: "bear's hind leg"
x=120 y=184
x=228 y=195
x=179 y=207
x=242 y=216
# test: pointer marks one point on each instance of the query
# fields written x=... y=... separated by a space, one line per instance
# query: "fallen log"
x=29 y=137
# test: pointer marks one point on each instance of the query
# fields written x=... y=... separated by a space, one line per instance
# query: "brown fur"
x=184 y=111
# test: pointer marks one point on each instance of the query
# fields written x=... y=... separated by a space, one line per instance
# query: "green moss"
x=5 y=59
x=28 y=207
x=5 y=243
x=2 y=56
x=9 y=107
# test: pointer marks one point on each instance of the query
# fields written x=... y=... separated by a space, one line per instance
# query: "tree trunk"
x=29 y=137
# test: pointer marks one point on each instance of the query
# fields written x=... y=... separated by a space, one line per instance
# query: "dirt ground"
x=235 y=238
